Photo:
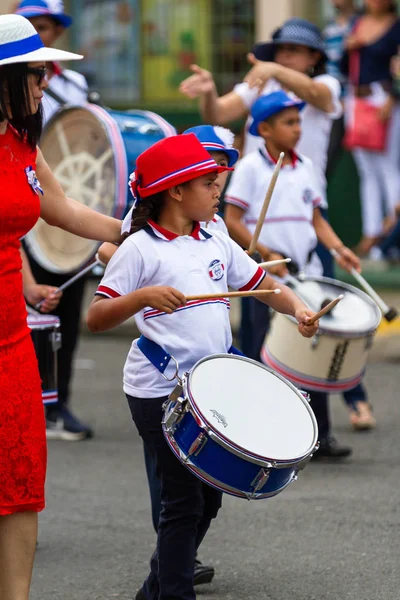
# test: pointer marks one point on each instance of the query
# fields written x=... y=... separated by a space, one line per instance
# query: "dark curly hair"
x=148 y=208
x=15 y=97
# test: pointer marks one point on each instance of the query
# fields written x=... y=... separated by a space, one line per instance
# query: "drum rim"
x=219 y=485
x=50 y=323
x=229 y=444
x=350 y=288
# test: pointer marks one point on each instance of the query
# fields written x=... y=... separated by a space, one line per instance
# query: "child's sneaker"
x=63 y=425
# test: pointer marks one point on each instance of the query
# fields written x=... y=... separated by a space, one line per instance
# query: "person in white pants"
x=370 y=47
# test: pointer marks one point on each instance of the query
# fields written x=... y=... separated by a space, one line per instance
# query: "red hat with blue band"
x=171 y=161
x=272 y=104
x=216 y=139
x=44 y=8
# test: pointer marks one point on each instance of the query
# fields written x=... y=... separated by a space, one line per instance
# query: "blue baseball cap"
x=293 y=31
x=269 y=105
x=44 y=8
x=216 y=139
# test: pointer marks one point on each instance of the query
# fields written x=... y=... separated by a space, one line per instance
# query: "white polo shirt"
x=70 y=86
x=288 y=227
x=199 y=263
x=316 y=125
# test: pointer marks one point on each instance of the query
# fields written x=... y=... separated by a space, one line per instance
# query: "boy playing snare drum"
x=293 y=225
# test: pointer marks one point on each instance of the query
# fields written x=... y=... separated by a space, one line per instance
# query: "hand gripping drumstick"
x=264 y=209
x=325 y=310
x=74 y=278
x=232 y=294
x=389 y=313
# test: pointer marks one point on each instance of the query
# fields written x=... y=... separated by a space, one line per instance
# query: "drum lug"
x=198 y=444
x=129 y=126
x=260 y=480
x=315 y=341
x=55 y=340
x=176 y=410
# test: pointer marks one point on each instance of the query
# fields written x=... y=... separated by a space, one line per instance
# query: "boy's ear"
x=264 y=129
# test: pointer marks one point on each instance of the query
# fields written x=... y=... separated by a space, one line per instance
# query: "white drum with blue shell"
x=240 y=427
x=334 y=359
x=91 y=151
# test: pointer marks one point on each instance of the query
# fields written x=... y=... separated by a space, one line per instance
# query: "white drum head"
x=252 y=408
x=357 y=313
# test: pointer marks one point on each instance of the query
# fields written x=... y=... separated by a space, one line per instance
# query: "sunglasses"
x=40 y=72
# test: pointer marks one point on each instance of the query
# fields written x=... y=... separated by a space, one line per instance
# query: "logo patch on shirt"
x=308 y=196
x=216 y=270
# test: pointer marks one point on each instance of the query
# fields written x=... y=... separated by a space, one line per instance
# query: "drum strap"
x=159 y=358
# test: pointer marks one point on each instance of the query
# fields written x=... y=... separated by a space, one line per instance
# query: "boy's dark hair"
x=14 y=89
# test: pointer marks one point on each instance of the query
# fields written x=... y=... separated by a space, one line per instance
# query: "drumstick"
x=272 y=263
x=232 y=294
x=325 y=310
x=389 y=313
x=264 y=209
x=74 y=278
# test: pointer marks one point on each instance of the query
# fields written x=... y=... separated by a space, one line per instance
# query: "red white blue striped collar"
x=272 y=161
x=164 y=234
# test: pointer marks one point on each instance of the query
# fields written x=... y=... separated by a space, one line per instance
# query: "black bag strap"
x=56 y=97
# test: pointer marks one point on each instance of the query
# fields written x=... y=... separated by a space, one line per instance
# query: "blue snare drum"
x=240 y=427
x=92 y=152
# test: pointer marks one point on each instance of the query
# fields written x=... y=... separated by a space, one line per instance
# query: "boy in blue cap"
x=294 y=223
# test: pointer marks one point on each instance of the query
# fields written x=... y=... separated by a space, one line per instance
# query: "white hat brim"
x=41 y=55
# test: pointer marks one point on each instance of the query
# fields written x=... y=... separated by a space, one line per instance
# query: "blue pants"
x=187 y=508
x=154 y=487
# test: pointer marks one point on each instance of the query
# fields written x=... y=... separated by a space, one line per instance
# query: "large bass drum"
x=91 y=151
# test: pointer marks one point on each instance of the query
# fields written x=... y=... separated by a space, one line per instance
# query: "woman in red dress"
x=27 y=190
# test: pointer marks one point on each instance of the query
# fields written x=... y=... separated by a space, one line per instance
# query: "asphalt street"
x=332 y=535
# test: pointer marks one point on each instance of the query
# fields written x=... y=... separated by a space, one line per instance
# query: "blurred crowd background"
x=138 y=51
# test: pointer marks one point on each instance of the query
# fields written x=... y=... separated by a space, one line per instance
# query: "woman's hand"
x=198 y=84
x=260 y=73
x=385 y=111
x=346 y=259
x=302 y=316
x=36 y=292
x=164 y=298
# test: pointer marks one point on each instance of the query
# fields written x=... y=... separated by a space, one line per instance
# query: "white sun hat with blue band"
x=19 y=43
